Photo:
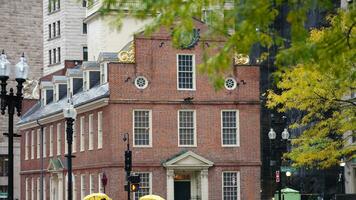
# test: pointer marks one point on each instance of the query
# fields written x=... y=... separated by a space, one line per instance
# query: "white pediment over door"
x=188 y=160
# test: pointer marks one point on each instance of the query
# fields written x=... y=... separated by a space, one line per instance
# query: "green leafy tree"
x=316 y=69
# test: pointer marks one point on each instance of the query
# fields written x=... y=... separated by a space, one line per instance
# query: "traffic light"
x=134 y=181
x=128 y=161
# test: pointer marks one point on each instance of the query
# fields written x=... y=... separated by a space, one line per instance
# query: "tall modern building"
x=64 y=33
x=20 y=31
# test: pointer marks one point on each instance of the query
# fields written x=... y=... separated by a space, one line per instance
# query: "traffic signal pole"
x=128 y=164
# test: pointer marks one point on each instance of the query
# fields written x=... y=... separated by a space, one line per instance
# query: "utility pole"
x=132 y=181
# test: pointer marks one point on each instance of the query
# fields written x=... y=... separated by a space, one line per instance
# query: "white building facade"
x=64 y=33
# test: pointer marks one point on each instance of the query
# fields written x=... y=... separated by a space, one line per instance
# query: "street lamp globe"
x=272 y=134
x=288 y=173
x=21 y=68
x=70 y=111
x=342 y=163
x=4 y=65
x=285 y=134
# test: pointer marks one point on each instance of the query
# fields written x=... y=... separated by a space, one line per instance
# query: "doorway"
x=181 y=190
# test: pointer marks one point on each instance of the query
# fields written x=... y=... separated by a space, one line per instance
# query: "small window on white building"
x=91 y=132
x=51 y=141
x=186 y=72
x=59 y=139
x=82 y=186
x=231 y=186
x=186 y=128
x=145 y=185
x=142 y=127
x=38 y=153
x=82 y=134
x=32 y=144
x=100 y=130
x=27 y=146
x=230 y=127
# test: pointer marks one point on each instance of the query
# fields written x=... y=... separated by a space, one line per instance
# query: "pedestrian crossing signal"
x=134 y=187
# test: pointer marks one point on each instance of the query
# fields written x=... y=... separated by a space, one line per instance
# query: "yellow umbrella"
x=151 y=197
x=97 y=196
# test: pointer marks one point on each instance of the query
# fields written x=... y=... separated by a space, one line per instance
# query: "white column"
x=60 y=186
x=204 y=184
x=170 y=184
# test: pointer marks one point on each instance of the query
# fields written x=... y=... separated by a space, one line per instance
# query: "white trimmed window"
x=91 y=183
x=186 y=72
x=32 y=144
x=74 y=187
x=44 y=187
x=38 y=153
x=27 y=188
x=231 y=186
x=32 y=189
x=82 y=186
x=51 y=141
x=74 y=146
x=230 y=127
x=91 y=132
x=38 y=189
x=27 y=146
x=100 y=130
x=142 y=127
x=44 y=145
x=100 y=185
x=82 y=134
x=186 y=128
x=65 y=139
x=145 y=185
x=59 y=139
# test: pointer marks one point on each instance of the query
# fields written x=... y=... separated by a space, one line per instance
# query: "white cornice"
x=59 y=116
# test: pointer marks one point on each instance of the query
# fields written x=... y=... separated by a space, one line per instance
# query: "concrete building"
x=21 y=31
x=64 y=33
x=185 y=136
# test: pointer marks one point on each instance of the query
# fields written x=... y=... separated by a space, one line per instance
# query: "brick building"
x=20 y=31
x=188 y=141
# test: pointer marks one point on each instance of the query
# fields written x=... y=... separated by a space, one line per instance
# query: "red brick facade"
x=156 y=60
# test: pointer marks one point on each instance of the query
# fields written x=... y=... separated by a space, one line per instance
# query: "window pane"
x=186 y=127
x=230 y=183
x=229 y=128
x=142 y=127
x=185 y=71
x=144 y=185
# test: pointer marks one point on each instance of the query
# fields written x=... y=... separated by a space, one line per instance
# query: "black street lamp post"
x=70 y=114
x=104 y=181
x=12 y=102
x=279 y=150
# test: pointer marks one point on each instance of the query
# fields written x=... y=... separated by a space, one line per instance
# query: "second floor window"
x=85 y=53
x=186 y=72
x=85 y=28
x=59 y=139
x=142 y=127
x=186 y=126
x=4 y=165
x=230 y=186
x=50 y=56
x=229 y=128
x=91 y=132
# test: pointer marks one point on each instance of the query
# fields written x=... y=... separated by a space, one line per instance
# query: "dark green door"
x=182 y=190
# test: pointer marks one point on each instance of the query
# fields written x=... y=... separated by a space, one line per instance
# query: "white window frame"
x=82 y=186
x=91 y=183
x=65 y=139
x=150 y=182
x=82 y=133
x=91 y=132
x=59 y=139
x=44 y=145
x=27 y=188
x=27 y=146
x=237 y=128
x=150 y=127
x=100 y=130
x=238 y=184
x=74 y=187
x=74 y=145
x=195 y=128
x=194 y=73
x=100 y=185
x=32 y=188
x=51 y=141
x=38 y=149
x=38 y=189
x=44 y=187
x=32 y=144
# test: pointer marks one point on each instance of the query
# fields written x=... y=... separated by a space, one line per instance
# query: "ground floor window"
x=145 y=185
x=231 y=183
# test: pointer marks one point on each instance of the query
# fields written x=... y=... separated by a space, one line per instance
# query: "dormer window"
x=59 y=87
x=46 y=92
x=75 y=81
x=91 y=75
x=62 y=91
